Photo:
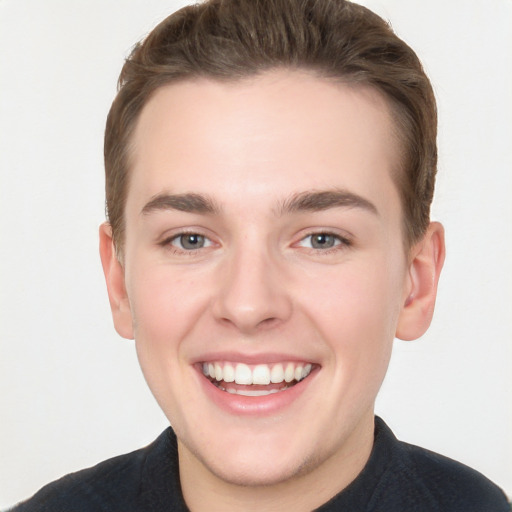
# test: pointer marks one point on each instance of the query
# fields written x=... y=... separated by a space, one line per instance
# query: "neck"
x=203 y=490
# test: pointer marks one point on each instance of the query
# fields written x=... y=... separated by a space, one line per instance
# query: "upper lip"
x=252 y=359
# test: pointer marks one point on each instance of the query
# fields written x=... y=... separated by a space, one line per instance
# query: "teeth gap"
x=221 y=383
x=218 y=382
x=245 y=390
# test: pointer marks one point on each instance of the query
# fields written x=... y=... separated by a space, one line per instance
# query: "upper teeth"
x=262 y=374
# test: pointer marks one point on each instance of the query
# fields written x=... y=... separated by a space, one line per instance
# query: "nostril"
x=248 y=324
x=268 y=322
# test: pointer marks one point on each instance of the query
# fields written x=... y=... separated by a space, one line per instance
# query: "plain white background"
x=71 y=392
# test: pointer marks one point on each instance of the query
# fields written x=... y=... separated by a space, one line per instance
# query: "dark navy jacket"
x=397 y=477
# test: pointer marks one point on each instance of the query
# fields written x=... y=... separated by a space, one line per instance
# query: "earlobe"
x=427 y=258
x=115 y=279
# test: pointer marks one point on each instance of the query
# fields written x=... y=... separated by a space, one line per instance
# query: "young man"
x=270 y=167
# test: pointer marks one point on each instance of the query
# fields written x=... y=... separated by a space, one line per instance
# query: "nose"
x=252 y=292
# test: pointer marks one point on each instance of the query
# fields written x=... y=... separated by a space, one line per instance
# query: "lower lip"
x=265 y=405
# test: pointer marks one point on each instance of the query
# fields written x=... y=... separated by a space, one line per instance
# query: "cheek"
x=363 y=295
x=356 y=309
x=165 y=305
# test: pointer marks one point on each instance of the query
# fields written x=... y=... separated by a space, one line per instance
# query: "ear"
x=114 y=276
x=426 y=262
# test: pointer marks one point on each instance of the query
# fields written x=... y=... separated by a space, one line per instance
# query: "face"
x=264 y=269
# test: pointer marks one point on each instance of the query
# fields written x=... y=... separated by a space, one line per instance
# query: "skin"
x=259 y=290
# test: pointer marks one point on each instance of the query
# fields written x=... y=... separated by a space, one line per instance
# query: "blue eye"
x=190 y=241
x=323 y=241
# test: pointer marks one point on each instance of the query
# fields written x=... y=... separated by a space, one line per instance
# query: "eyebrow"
x=312 y=201
x=189 y=202
x=315 y=201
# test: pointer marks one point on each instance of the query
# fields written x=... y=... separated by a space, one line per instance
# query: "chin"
x=257 y=461
x=261 y=472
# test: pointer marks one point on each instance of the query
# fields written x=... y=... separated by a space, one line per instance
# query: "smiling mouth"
x=255 y=380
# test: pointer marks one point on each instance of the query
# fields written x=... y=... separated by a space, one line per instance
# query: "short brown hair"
x=233 y=39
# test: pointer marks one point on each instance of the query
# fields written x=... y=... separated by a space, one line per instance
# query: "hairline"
x=393 y=106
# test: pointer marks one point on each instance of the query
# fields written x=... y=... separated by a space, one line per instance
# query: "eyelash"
x=167 y=243
x=340 y=243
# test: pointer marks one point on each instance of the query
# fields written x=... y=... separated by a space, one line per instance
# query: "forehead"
x=288 y=128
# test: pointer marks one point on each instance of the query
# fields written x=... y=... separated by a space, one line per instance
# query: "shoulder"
x=115 y=484
x=94 y=488
x=427 y=481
